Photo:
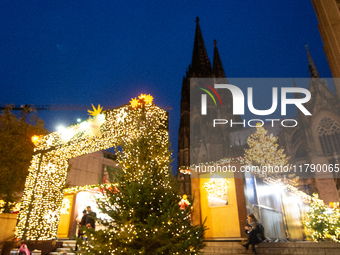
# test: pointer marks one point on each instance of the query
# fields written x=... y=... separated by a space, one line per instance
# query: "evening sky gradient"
x=106 y=52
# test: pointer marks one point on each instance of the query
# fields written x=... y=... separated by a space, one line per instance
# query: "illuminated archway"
x=42 y=199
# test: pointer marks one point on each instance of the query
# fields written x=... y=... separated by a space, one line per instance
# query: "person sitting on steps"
x=255 y=232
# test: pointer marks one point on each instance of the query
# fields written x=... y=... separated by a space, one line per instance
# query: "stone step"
x=225 y=248
x=236 y=248
x=69 y=246
x=66 y=249
x=286 y=248
x=63 y=249
x=58 y=253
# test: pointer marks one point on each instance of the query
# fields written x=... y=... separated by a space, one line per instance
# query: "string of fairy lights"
x=76 y=189
x=43 y=195
x=323 y=221
x=263 y=150
x=145 y=164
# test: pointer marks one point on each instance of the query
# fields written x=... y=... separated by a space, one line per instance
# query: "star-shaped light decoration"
x=95 y=111
x=147 y=98
x=94 y=124
x=134 y=102
x=142 y=96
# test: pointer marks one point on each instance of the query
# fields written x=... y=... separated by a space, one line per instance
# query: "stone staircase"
x=235 y=247
x=66 y=249
x=286 y=248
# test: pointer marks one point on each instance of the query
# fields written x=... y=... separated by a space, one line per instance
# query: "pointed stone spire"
x=312 y=68
x=296 y=95
x=200 y=62
x=217 y=63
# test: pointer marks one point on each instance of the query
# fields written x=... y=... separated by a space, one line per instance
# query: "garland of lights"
x=43 y=195
x=142 y=212
x=73 y=190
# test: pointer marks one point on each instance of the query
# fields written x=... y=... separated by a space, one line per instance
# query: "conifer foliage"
x=144 y=215
x=269 y=160
x=323 y=222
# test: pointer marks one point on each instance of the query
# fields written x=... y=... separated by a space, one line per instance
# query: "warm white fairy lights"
x=65 y=206
x=323 y=221
x=217 y=189
x=99 y=187
x=15 y=207
x=147 y=214
x=42 y=199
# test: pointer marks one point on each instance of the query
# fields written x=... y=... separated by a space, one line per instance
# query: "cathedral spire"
x=200 y=62
x=217 y=63
x=296 y=95
x=312 y=68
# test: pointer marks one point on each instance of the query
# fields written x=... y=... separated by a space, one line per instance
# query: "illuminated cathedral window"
x=329 y=135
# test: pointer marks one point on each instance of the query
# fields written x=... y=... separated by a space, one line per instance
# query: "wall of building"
x=89 y=169
x=328 y=15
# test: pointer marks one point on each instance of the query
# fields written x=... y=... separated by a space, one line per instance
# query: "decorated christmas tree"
x=268 y=160
x=323 y=222
x=145 y=213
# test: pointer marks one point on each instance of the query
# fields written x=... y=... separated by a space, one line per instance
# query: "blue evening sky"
x=106 y=52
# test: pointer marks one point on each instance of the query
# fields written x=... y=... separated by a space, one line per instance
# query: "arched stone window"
x=329 y=135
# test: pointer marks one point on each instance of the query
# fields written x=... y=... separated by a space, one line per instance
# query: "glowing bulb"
x=35 y=139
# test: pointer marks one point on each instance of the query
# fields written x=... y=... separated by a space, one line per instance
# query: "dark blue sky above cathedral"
x=105 y=52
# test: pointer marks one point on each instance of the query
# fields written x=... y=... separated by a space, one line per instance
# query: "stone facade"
x=328 y=14
x=89 y=169
x=316 y=140
x=200 y=68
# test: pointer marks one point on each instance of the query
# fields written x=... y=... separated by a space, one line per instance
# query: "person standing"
x=82 y=224
x=80 y=227
x=90 y=218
